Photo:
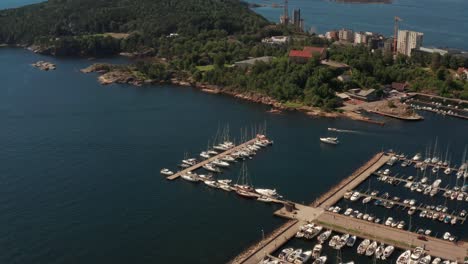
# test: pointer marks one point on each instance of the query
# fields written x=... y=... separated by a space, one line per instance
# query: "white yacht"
x=220 y=163
x=267 y=192
x=210 y=167
x=416 y=255
x=213 y=184
x=303 y=257
x=404 y=257
x=367 y=199
x=330 y=140
x=205 y=155
x=316 y=251
x=363 y=246
x=379 y=251
x=324 y=236
x=166 y=172
x=265 y=199
x=388 y=252
x=371 y=249
x=190 y=177
x=285 y=253
x=320 y=260
x=294 y=255
x=417 y=157
x=447 y=171
x=355 y=196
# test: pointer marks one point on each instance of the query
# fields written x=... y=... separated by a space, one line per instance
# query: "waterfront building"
x=346 y=35
x=442 y=52
x=408 y=40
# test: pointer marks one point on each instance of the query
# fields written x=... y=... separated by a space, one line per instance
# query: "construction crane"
x=395 y=34
x=285 y=17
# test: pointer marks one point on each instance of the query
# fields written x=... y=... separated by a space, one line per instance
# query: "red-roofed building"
x=304 y=55
x=462 y=73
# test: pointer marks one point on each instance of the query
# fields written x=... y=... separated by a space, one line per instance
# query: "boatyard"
x=378 y=236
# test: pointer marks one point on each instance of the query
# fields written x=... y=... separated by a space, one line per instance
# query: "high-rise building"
x=297 y=21
x=408 y=40
x=346 y=35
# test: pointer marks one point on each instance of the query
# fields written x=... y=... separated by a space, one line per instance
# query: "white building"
x=360 y=38
x=408 y=40
x=276 y=40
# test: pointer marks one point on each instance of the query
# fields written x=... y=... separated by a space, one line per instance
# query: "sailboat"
x=243 y=186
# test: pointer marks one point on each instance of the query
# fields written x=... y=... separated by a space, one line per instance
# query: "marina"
x=308 y=222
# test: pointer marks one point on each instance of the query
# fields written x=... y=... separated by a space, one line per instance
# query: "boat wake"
x=342 y=130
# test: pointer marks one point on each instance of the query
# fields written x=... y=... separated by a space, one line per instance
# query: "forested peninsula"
x=199 y=41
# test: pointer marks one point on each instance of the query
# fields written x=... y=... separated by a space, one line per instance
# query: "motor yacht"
x=285 y=253
x=351 y=241
x=387 y=252
x=320 y=260
x=416 y=255
x=212 y=184
x=371 y=249
x=404 y=257
x=379 y=251
x=324 y=236
x=166 y=172
x=303 y=257
x=211 y=167
x=363 y=246
x=330 y=140
x=294 y=255
x=316 y=251
x=205 y=155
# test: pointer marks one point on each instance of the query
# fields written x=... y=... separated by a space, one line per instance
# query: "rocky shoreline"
x=123 y=75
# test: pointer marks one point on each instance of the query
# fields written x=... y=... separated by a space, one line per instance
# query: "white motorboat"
x=205 y=155
x=303 y=257
x=363 y=246
x=436 y=261
x=330 y=140
x=425 y=260
x=367 y=199
x=447 y=171
x=212 y=152
x=389 y=221
x=324 y=236
x=416 y=255
x=412 y=210
x=225 y=187
x=285 y=253
x=379 y=251
x=294 y=255
x=228 y=158
x=355 y=196
x=446 y=236
x=316 y=251
x=404 y=257
x=190 y=162
x=166 y=172
x=371 y=249
x=333 y=241
x=388 y=252
x=348 y=211
x=320 y=260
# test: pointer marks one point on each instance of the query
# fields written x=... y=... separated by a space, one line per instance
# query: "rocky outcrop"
x=44 y=65
x=115 y=74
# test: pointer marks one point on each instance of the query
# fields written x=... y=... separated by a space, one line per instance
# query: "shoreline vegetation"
x=205 y=54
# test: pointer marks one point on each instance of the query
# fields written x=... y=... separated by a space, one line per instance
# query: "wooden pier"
x=204 y=162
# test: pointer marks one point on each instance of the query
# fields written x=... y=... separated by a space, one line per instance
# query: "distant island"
x=223 y=46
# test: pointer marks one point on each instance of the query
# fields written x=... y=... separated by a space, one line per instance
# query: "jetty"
x=204 y=162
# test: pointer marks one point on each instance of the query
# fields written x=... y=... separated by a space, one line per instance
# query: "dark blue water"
x=443 y=22
x=79 y=173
